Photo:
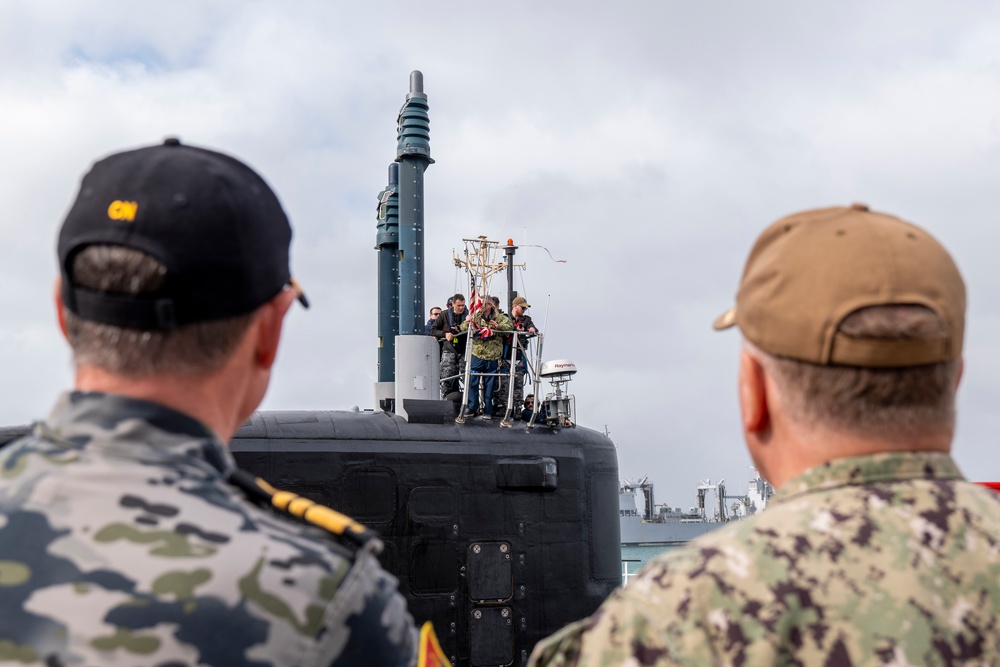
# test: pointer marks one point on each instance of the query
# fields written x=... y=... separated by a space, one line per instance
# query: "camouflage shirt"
x=121 y=544
x=490 y=348
x=888 y=559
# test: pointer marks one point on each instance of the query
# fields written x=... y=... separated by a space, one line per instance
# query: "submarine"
x=499 y=532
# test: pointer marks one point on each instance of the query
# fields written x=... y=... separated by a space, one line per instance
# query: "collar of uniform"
x=133 y=428
x=857 y=470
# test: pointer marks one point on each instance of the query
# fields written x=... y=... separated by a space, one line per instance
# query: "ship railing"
x=532 y=365
x=627 y=572
x=536 y=379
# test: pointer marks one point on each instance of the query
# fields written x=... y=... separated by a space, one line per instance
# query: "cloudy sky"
x=645 y=142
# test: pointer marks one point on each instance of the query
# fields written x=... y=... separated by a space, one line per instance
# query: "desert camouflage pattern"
x=888 y=559
x=121 y=544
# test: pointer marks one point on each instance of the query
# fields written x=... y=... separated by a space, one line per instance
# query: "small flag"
x=475 y=303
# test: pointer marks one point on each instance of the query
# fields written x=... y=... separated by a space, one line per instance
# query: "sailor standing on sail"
x=448 y=332
x=484 y=326
x=435 y=313
x=523 y=324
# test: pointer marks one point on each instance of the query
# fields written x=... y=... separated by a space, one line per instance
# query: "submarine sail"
x=499 y=536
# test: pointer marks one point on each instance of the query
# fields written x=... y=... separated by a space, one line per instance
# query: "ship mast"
x=479 y=262
x=405 y=366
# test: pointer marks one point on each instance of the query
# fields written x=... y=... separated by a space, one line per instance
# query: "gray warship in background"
x=664 y=525
x=499 y=534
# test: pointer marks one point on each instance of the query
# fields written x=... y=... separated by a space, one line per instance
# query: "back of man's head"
x=859 y=319
x=164 y=257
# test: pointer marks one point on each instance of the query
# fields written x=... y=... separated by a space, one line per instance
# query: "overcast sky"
x=647 y=143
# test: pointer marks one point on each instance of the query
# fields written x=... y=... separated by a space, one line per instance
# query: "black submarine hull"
x=498 y=536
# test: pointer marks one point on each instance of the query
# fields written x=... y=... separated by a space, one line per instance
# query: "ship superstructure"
x=644 y=522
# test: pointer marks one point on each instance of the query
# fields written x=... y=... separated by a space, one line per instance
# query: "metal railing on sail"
x=533 y=368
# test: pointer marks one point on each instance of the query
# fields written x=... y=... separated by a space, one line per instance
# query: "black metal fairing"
x=498 y=536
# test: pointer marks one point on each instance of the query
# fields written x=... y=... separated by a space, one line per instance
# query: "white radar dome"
x=558 y=367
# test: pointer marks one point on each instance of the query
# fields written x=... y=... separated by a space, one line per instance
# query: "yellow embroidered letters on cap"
x=123 y=210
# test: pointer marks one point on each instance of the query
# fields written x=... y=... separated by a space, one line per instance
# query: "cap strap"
x=129 y=311
x=879 y=353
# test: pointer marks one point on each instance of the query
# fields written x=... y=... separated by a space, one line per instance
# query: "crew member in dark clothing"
x=529 y=408
x=522 y=323
x=435 y=312
x=449 y=334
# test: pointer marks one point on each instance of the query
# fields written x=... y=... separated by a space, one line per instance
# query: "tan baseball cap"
x=810 y=270
x=520 y=301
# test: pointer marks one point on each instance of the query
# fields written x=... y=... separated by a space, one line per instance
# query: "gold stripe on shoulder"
x=303 y=508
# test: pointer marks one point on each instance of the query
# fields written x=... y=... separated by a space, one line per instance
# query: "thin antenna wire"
x=545 y=326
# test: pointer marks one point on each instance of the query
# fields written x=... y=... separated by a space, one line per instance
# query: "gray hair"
x=191 y=349
x=884 y=402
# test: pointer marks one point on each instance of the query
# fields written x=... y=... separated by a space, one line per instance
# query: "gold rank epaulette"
x=309 y=511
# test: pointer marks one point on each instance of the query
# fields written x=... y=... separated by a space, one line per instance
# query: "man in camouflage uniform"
x=522 y=323
x=484 y=326
x=874 y=550
x=127 y=535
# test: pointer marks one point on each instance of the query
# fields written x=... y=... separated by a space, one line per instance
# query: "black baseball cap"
x=212 y=221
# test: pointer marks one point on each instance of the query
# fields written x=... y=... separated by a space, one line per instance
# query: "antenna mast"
x=479 y=262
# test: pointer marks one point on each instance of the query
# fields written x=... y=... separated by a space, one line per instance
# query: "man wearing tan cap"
x=525 y=325
x=874 y=549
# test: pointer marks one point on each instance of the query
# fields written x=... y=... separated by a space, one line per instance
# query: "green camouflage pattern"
x=490 y=348
x=121 y=544
x=889 y=559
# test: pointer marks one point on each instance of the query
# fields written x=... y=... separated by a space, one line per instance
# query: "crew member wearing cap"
x=874 y=550
x=127 y=535
x=522 y=323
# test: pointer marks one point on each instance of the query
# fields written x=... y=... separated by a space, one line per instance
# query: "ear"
x=270 y=318
x=753 y=394
x=60 y=312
